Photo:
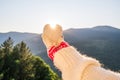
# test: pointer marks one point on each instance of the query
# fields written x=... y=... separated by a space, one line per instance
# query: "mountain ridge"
x=100 y=44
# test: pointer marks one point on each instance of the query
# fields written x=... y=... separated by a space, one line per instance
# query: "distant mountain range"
x=100 y=42
x=33 y=40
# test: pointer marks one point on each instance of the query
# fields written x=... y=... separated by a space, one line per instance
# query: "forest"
x=18 y=63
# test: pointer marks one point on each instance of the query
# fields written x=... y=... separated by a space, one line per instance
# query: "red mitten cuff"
x=54 y=49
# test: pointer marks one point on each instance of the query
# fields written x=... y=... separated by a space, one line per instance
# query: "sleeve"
x=99 y=73
x=72 y=64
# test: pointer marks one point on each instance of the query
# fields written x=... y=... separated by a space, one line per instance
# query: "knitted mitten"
x=52 y=36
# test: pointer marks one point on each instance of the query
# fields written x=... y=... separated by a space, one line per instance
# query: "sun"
x=53 y=23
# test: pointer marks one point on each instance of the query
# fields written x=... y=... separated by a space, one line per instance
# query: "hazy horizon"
x=63 y=29
x=32 y=15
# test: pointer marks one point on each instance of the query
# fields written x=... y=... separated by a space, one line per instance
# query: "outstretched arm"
x=70 y=62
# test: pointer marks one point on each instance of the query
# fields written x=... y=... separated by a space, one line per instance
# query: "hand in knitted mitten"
x=52 y=36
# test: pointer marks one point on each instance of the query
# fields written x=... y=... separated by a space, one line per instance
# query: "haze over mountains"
x=100 y=42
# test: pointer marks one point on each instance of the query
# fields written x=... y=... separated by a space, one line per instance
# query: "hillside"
x=100 y=42
x=33 y=40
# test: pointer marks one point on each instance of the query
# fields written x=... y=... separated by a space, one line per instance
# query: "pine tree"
x=24 y=58
x=7 y=46
x=6 y=51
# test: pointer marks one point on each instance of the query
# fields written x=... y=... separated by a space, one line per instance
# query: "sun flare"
x=53 y=24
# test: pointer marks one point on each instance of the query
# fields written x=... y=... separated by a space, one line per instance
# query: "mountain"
x=100 y=42
x=106 y=28
x=33 y=40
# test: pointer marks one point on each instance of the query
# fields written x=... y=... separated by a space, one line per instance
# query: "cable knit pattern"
x=72 y=64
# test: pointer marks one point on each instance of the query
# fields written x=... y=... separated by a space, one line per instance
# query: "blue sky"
x=32 y=15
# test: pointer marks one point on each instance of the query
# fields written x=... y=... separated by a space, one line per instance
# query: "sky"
x=32 y=15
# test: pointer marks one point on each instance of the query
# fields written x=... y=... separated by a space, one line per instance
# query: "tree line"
x=18 y=63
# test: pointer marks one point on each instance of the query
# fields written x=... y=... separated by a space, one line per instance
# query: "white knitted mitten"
x=52 y=36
